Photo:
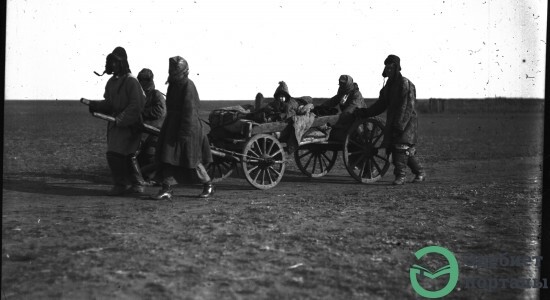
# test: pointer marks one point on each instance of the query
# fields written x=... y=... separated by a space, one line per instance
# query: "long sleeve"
x=405 y=109
x=157 y=109
x=136 y=100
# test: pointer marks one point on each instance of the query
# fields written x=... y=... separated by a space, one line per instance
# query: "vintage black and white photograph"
x=274 y=149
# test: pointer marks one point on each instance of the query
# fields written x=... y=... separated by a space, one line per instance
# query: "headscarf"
x=346 y=85
x=145 y=78
x=178 y=69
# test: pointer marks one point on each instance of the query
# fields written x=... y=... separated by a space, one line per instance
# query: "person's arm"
x=136 y=100
x=189 y=105
x=404 y=112
x=157 y=109
x=332 y=102
x=103 y=106
x=374 y=110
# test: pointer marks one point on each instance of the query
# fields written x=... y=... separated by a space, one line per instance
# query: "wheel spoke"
x=269 y=176
x=354 y=164
x=326 y=157
x=321 y=163
x=357 y=144
x=275 y=171
x=308 y=152
x=264 y=145
x=252 y=169
x=276 y=153
x=369 y=166
x=270 y=148
x=377 y=138
x=381 y=157
x=308 y=161
x=362 y=170
x=314 y=164
x=357 y=152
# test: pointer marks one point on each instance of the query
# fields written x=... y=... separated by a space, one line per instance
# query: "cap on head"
x=282 y=89
x=145 y=75
x=120 y=54
x=393 y=59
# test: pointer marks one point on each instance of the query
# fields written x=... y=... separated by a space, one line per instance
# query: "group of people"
x=182 y=147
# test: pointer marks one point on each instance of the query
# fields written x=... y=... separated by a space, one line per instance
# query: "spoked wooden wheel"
x=315 y=160
x=220 y=168
x=365 y=159
x=264 y=161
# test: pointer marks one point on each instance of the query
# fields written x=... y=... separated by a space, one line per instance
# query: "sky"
x=235 y=49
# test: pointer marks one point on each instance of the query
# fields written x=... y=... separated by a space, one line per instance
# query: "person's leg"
x=207 y=186
x=146 y=159
x=119 y=169
x=415 y=166
x=400 y=164
x=167 y=179
x=135 y=177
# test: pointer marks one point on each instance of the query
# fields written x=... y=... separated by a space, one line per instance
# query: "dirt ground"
x=320 y=238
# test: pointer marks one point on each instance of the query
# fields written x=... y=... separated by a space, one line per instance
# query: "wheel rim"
x=264 y=161
x=364 y=157
x=314 y=160
x=220 y=168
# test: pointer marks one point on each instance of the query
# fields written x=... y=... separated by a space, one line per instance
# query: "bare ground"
x=324 y=238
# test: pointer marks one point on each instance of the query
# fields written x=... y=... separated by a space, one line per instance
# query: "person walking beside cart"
x=183 y=145
x=398 y=99
x=124 y=100
x=153 y=114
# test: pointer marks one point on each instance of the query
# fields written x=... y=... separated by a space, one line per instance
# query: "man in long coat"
x=124 y=100
x=398 y=98
x=183 y=143
x=153 y=114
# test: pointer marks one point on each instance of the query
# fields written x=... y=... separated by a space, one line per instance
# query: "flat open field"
x=321 y=238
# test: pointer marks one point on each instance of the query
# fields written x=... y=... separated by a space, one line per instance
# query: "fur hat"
x=282 y=89
x=393 y=59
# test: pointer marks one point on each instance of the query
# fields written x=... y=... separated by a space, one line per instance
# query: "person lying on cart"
x=153 y=114
x=283 y=107
x=347 y=100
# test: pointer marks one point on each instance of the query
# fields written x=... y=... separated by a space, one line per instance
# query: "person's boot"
x=117 y=164
x=207 y=190
x=136 y=179
x=416 y=168
x=400 y=165
x=165 y=193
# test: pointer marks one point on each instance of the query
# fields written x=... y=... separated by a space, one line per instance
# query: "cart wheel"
x=220 y=168
x=315 y=160
x=264 y=161
x=364 y=158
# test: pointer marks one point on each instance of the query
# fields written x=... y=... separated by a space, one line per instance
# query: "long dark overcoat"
x=398 y=98
x=124 y=100
x=182 y=140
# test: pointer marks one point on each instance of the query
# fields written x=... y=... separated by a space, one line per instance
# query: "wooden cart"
x=257 y=150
